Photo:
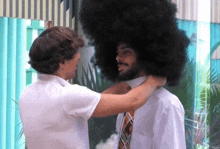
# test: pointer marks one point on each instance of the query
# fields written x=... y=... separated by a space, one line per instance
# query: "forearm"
x=119 y=88
x=138 y=96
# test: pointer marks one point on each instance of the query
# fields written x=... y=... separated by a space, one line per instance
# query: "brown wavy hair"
x=54 y=46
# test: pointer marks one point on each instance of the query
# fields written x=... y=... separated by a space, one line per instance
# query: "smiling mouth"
x=121 y=67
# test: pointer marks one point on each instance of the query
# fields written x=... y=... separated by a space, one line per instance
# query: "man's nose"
x=118 y=57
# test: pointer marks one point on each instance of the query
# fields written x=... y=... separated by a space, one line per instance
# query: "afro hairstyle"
x=149 y=27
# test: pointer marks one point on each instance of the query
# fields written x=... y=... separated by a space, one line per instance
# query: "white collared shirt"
x=54 y=113
x=158 y=124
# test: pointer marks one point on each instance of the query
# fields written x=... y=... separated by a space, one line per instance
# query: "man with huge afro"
x=134 y=39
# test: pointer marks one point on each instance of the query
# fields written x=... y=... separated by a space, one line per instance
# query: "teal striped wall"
x=33 y=31
x=3 y=79
x=215 y=42
x=12 y=79
x=16 y=39
x=195 y=53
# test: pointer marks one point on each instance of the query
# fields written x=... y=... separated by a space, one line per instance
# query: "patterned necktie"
x=125 y=138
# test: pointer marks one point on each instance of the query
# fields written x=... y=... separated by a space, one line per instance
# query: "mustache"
x=119 y=63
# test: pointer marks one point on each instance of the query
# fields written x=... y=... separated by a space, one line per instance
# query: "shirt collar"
x=50 y=77
x=136 y=82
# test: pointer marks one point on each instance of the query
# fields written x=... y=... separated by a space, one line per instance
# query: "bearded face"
x=127 y=63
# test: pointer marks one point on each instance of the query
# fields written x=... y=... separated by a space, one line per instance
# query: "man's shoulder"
x=163 y=95
x=166 y=99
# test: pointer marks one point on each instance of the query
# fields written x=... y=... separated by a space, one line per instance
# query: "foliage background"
x=100 y=129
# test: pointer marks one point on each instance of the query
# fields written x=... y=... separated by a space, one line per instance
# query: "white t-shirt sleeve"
x=169 y=132
x=79 y=101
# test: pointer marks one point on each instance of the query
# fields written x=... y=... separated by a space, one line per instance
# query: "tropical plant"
x=21 y=131
x=100 y=129
x=212 y=87
x=197 y=122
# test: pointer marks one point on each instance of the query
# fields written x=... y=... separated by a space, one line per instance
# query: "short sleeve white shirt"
x=54 y=113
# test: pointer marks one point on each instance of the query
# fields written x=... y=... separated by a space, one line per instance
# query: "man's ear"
x=62 y=64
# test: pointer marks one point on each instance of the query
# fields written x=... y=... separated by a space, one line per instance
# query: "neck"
x=60 y=74
x=141 y=74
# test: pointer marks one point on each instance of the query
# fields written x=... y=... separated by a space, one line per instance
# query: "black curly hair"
x=147 y=26
x=54 y=46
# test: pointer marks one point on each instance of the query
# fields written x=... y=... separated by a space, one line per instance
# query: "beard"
x=130 y=74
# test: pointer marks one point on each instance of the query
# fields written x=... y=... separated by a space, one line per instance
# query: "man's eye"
x=126 y=52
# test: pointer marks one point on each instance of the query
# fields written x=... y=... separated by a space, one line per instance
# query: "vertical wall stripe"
x=192 y=13
x=41 y=9
x=73 y=23
x=11 y=74
x=10 y=7
x=47 y=9
x=29 y=9
x=3 y=79
x=188 y=10
x=36 y=12
x=70 y=13
x=61 y=13
x=191 y=7
x=17 y=12
x=44 y=9
x=214 y=12
x=218 y=16
x=52 y=14
x=67 y=17
x=64 y=12
x=76 y=28
x=196 y=9
x=38 y=9
x=217 y=12
x=14 y=6
x=32 y=9
x=23 y=9
x=20 y=73
x=50 y=10
x=29 y=38
x=184 y=7
x=58 y=16
x=1 y=7
x=55 y=19
x=179 y=4
x=4 y=10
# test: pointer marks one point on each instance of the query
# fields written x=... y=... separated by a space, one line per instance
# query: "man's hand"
x=155 y=81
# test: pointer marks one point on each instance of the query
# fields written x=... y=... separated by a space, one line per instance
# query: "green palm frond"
x=21 y=131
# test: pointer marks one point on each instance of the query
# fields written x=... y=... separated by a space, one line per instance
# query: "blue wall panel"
x=12 y=80
x=20 y=73
x=3 y=79
x=215 y=39
x=11 y=69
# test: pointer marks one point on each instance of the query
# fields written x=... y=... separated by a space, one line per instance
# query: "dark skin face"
x=127 y=63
